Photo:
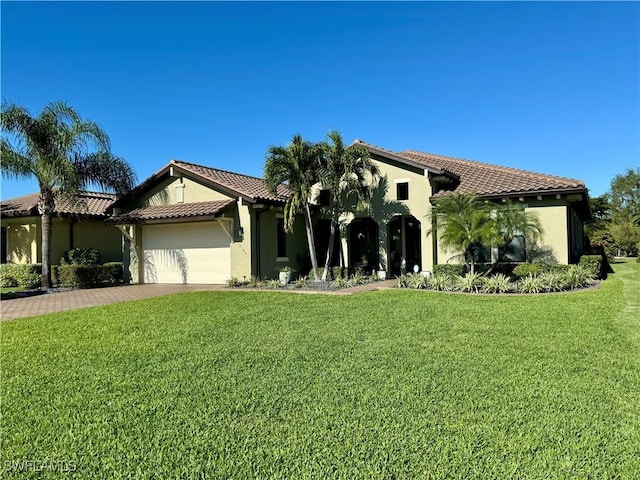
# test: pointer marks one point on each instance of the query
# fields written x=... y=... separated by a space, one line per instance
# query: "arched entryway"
x=364 y=244
x=405 y=243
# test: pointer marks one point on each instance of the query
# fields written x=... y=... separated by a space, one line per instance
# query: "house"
x=191 y=223
x=195 y=224
x=416 y=180
x=74 y=225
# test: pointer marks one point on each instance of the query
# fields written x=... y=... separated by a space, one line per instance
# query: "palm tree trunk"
x=312 y=245
x=46 y=249
x=332 y=238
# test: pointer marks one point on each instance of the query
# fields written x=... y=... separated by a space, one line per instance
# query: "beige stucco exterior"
x=24 y=238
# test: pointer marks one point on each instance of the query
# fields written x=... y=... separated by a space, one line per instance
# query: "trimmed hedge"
x=81 y=256
x=595 y=264
x=535 y=269
x=450 y=269
x=26 y=275
x=85 y=276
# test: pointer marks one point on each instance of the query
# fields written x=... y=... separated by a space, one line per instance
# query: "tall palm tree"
x=65 y=154
x=295 y=165
x=347 y=173
x=464 y=222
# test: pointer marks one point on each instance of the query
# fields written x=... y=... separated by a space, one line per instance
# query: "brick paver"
x=71 y=300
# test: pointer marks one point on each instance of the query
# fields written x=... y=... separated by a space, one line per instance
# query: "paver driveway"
x=60 y=301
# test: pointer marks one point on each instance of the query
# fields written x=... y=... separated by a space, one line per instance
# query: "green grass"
x=390 y=384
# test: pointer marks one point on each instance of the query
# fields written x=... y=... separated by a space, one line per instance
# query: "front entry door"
x=405 y=245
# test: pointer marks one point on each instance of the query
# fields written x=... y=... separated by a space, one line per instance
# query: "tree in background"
x=65 y=154
x=616 y=216
x=347 y=173
x=295 y=165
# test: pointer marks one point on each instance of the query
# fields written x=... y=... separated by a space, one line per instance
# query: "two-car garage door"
x=186 y=253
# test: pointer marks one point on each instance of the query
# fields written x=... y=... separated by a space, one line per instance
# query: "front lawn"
x=389 y=384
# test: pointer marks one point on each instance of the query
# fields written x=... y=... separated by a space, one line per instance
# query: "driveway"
x=91 y=297
x=61 y=301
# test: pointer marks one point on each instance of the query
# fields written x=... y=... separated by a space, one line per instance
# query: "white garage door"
x=186 y=253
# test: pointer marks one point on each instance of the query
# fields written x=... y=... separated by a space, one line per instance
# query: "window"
x=180 y=193
x=402 y=191
x=3 y=252
x=281 y=240
x=324 y=199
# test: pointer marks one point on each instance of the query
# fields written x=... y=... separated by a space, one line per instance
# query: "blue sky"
x=551 y=87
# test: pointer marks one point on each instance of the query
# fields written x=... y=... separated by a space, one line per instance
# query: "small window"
x=324 y=198
x=402 y=191
x=180 y=193
x=281 y=240
x=4 y=251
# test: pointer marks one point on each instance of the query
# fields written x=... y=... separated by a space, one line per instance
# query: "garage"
x=186 y=253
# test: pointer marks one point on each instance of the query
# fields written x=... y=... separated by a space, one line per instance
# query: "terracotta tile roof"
x=489 y=180
x=172 y=211
x=252 y=188
x=89 y=204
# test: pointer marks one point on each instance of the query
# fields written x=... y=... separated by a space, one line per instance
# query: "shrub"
x=595 y=264
x=20 y=275
x=441 y=282
x=417 y=281
x=450 y=269
x=531 y=284
x=301 y=282
x=273 y=284
x=85 y=276
x=81 y=256
x=471 y=282
x=527 y=270
x=254 y=281
x=337 y=272
x=536 y=269
x=496 y=284
x=340 y=283
x=578 y=276
x=234 y=282
x=553 y=281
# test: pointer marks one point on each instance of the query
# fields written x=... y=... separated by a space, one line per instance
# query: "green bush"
x=595 y=264
x=531 y=284
x=450 y=269
x=26 y=275
x=81 y=256
x=535 y=269
x=495 y=284
x=85 y=276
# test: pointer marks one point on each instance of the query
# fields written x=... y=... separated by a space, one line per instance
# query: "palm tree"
x=464 y=222
x=512 y=220
x=65 y=154
x=295 y=165
x=347 y=173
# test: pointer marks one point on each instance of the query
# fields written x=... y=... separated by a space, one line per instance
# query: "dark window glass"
x=3 y=258
x=402 y=190
x=324 y=198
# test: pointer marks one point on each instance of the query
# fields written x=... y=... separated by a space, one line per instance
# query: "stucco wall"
x=95 y=234
x=240 y=248
x=165 y=193
x=385 y=206
x=23 y=237
x=296 y=245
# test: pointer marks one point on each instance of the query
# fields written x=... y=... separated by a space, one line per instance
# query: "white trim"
x=282 y=259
